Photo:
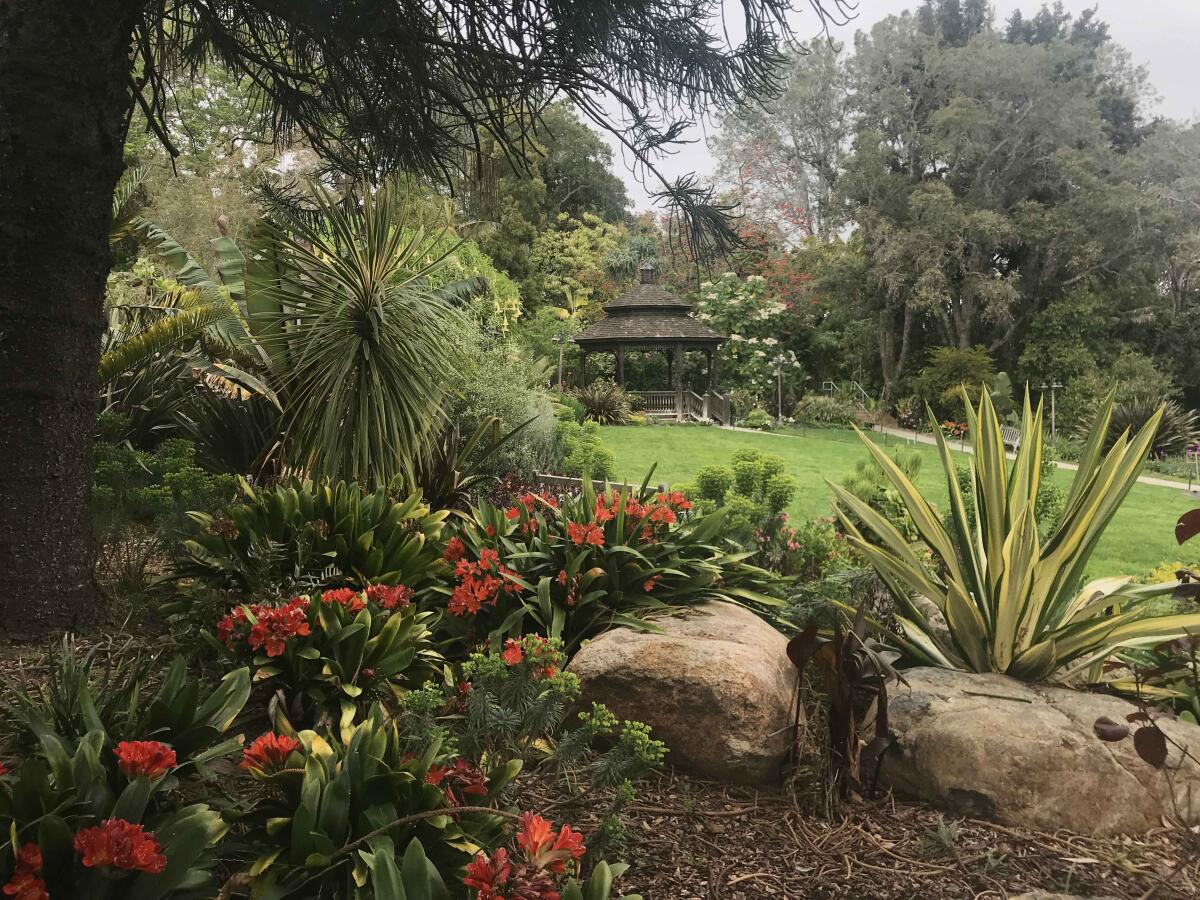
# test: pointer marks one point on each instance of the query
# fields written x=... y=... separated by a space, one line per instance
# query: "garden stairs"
x=685 y=405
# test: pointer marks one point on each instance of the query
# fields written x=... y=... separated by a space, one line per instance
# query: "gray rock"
x=988 y=746
x=716 y=686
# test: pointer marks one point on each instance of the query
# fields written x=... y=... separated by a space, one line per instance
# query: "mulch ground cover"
x=687 y=839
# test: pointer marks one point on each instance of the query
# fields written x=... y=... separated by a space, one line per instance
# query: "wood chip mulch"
x=687 y=839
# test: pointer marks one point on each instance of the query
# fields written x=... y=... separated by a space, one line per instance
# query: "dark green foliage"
x=1177 y=431
x=604 y=402
x=455 y=470
x=140 y=502
x=824 y=411
x=583 y=452
x=300 y=534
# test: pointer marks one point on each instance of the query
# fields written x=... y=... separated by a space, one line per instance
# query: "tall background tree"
x=372 y=87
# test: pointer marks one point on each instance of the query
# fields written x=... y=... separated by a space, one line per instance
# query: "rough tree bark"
x=64 y=95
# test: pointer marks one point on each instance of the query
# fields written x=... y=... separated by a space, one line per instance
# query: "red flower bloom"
x=458 y=780
x=148 y=758
x=3 y=768
x=274 y=625
x=663 y=515
x=122 y=845
x=490 y=530
x=269 y=753
x=546 y=850
x=579 y=533
x=477 y=585
x=512 y=654
x=488 y=875
x=455 y=550
x=345 y=597
x=651 y=582
x=390 y=597
x=513 y=512
x=26 y=883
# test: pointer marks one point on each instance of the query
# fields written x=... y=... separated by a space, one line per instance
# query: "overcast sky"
x=1163 y=35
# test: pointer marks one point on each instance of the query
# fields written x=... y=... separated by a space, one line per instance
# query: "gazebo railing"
x=657 y=403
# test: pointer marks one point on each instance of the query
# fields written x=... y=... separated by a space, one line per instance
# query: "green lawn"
x=1140 y=538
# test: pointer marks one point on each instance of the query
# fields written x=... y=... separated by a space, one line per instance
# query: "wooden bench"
x=1011 y=436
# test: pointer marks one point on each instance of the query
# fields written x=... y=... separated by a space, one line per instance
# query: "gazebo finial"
x=648 y=271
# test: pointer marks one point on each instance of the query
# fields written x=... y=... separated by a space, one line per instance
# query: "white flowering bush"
x=755 y=355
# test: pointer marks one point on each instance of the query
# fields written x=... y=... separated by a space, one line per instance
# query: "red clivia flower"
x=679 y=500
x=513 y=512
x=601 y=512
x=269 y=753
x=561 y=577
x=580 y=533
x=490 y=530
x=545 y=849
x=345 y=597
x=389 y=597
x=144 y=758
x=512 y=653
x=663 y=515
x=489 y=875
x=455 y=550
x=458 y=780
x=650 y=583
x=121 y=845
x=272 y=628
x=26 y=882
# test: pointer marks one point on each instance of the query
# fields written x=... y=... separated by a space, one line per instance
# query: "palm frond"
x=168 y=332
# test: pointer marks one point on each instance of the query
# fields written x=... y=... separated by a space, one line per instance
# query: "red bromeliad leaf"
x=1151 y=745
x=1188 y=526
x=1108 y=730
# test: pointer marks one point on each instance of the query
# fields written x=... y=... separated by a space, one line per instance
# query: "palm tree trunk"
x=64 y=98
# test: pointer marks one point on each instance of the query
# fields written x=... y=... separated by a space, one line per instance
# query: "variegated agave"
x=1012 y=603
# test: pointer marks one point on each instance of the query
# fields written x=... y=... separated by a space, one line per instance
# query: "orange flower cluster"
x=580 y=533
x=479 y=583
x=144 y=758
x=546 y=854
x=26 y=882
x=269 y=753
x=390 y=597
x=121 y=845
x=345 y=597
x=544 y=658
x=530 y=502
x=272 y=628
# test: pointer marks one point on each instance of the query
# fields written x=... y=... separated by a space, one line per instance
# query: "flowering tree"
x=755 y=358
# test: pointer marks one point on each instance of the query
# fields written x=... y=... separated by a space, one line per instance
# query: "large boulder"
x=716 y=686
x=992 y=747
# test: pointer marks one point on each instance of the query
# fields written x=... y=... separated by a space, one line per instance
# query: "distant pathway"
x=917 y=437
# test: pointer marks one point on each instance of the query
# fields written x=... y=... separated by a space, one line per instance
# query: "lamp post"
x=779 y=387
x=560 y=339
x=1052 y=387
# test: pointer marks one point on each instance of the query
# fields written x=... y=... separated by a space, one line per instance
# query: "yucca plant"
x=605 y=402
x=360 y=342
x=1177 y=428
x=1011 y=602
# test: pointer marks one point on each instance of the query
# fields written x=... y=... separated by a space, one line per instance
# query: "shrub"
x=584 y=453
x=713 y=481
x=757 y=418
x=499 y=383
x=604 y=402
x=300 y=535
x=949 y=370
x=909 y=413
x=578 y=413
x=825 y=412
x=869 y=483
x=1010 y=603
x=332 y=653
x=140 y=502
x=573 y=567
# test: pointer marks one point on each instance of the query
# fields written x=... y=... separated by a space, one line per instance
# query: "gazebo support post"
x=677 y=380
x=621 y=365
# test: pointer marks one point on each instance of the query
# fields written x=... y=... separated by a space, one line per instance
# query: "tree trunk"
x=64 y=75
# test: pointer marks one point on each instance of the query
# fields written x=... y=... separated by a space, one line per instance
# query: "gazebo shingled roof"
x=647 y=314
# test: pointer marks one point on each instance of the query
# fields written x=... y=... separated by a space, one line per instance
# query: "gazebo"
x=649 y=318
